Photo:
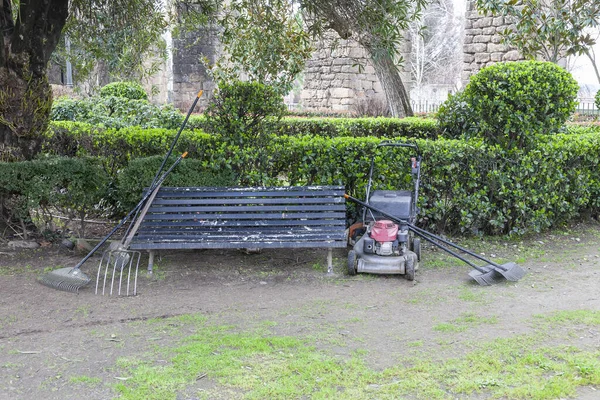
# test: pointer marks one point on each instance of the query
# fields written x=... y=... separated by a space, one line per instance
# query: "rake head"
x=490 y=275
x=511 y=271
x=117 y=267
x=67 y=279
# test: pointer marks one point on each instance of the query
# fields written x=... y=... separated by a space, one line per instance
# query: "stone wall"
x=333 y=80
x=483 y=45
x=189 y=75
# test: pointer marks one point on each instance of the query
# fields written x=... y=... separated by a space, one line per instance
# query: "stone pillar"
x=189 y=75
x=482 y=45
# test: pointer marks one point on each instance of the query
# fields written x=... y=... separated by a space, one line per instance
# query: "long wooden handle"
x=140 y=217
x=149 y=201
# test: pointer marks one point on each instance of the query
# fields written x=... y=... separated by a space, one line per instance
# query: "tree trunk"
x=25 y=95
x=392 y=85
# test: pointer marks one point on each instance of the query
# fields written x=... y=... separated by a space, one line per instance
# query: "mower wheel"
x=409 y=269
x=416 y=247
x=351 y=262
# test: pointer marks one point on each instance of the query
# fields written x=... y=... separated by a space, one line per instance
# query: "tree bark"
x=395 y=92
x=25 y=95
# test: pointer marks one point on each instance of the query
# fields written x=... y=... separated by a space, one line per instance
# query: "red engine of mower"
x=384 y=231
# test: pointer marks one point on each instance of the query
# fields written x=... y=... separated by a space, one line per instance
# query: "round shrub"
x=128 y=90
x=597 y=99
x=456 y=117
x=509 y=103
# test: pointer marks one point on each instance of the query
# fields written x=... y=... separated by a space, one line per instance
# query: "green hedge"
x=412 y=127
x=467 y=186
x=140 y=172
x=33 y=190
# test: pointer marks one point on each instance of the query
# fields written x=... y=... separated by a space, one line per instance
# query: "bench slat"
x=282 y=216
x=258 y=208
x=235 y=245
x=208 y=192
x=156 y=224
x=241 y=200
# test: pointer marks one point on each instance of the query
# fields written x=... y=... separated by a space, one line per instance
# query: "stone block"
x=481 y=39
x=512 y=55
x=483 y=22
x=339 y=93
x=468 y=58
x=475 y=48
x=489 y=31
x=352 y=69
x=496 y=57
x=468 y=39
x=482 y=58
x=473 y=32
x=496 y=48
x=498 y=21
x=496 y=39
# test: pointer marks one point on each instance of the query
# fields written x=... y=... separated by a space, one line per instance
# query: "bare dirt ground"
x=47 y=337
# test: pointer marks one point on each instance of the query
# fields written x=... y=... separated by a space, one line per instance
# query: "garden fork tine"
x=116 y=265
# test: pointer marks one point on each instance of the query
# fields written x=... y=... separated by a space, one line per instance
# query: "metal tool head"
x=488 y=276
x=115 y=266
x=68 y=279
x=511 y=271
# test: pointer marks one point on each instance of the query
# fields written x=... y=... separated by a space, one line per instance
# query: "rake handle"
x=126 y=218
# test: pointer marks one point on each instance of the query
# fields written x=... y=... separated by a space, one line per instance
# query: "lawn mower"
x=385 y=242
x=382 y=245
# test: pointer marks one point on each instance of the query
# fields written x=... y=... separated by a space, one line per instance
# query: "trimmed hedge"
x=410 y=127
x=77 y=187
x=138 y=175
x=467 y=186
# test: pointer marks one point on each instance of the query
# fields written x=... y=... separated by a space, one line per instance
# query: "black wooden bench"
x=244 y=218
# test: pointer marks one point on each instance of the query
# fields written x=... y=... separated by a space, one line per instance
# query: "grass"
x=464 y=322
x=258 y=365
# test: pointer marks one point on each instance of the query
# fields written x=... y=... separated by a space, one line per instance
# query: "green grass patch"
x=257 y=365
x=464 y=322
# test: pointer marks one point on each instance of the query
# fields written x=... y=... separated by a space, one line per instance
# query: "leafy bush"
x=597 y=99
x=127 y=90
x=116 y=112
x=242 y=114
x=32 y=190
x=410 y=127
x=512 y=102
x=140 y=172
x=457 y=118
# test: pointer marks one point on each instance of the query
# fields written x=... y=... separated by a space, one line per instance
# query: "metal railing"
x=425 y=106
x=587 y=109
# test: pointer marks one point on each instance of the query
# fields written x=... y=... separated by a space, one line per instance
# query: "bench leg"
x=330 y=261
x=150 y=261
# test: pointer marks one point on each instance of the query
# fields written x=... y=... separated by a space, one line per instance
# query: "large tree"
x=109 y=31
x=379 y=26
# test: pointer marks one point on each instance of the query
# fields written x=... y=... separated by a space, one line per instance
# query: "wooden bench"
x=244 y=218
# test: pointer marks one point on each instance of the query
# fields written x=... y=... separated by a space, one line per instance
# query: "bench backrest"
x=203 y=217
